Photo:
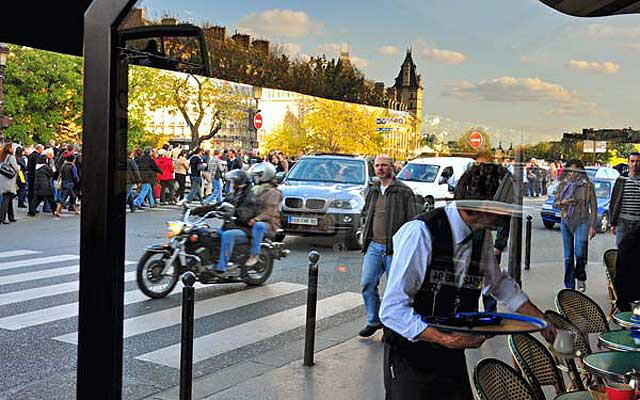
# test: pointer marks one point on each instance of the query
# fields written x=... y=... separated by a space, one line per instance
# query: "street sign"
x=476 y=139
x=257 y=121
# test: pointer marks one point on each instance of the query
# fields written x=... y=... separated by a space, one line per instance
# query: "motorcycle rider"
x=245 y=210
x=268 y=197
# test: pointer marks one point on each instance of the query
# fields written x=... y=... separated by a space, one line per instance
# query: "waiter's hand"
x=592 y=232
x=528 y=308
x=452 y=340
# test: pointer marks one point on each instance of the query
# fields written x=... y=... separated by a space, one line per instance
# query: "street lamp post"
x=4 y=54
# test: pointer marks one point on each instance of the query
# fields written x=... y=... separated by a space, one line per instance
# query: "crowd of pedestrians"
x=39 y=174
x=161 y=175
x=51 y=175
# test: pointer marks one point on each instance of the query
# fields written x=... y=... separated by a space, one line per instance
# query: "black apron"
x=424 y=370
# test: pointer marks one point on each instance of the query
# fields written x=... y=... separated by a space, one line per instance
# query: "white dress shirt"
x=411 y=260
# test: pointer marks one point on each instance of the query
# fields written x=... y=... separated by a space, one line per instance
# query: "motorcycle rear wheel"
x=149 y=278
x=259 y=273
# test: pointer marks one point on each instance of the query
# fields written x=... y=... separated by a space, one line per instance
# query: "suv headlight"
x=348 y=204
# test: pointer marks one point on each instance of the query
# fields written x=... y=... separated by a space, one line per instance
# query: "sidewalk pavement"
x=350 y=367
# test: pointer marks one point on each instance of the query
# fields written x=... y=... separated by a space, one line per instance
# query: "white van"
x=431 y=177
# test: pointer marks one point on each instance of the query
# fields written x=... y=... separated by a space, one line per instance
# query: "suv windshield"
x=419 y=172
x=602 y=189
x=328 y=170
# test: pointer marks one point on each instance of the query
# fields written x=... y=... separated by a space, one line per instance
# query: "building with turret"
x=408 y=89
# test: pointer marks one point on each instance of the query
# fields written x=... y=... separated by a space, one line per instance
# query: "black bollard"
x=527 y=254
x=312 y=300
x=186 y=346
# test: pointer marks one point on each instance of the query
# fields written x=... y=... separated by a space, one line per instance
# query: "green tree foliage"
x=43 y=95
x=202 y=104
x=316 y=76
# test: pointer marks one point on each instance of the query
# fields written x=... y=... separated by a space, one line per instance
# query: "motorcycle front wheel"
x=149 y=275
x=259 y=273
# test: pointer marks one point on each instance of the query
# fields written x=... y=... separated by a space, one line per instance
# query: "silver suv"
x=324 y=194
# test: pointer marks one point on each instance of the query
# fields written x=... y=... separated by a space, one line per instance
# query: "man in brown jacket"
x=389 y=204
x=268 y=197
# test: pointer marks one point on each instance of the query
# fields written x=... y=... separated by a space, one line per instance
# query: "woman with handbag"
x=8 y=173
x=21 y=179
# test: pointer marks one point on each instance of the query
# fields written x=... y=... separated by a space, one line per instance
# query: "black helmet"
x=238 y=177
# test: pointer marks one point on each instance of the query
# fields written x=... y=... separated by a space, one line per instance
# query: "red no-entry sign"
x=257 y=121
x=475 y=139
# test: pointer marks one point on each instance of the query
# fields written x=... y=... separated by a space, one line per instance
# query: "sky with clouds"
x=518 y=68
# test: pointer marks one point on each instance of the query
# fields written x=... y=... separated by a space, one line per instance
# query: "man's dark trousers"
x=627 y=271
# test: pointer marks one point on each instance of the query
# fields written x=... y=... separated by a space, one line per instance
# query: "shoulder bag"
x=7 y=170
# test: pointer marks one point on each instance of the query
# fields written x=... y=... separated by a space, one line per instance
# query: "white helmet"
x=264 y=172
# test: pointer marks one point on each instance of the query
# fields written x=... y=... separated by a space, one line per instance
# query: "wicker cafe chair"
x=536 y=362
x=496 y=380
x=580 y=343
x=609 y=259
x=582 y=311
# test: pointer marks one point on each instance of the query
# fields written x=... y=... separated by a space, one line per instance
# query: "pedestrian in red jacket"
x=166 y=179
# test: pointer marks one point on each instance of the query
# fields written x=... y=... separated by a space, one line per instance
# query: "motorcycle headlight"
x=175 y=228
x=347 y=204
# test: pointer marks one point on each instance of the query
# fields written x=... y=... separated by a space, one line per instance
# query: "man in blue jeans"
x=196 y=166
x=389 y=204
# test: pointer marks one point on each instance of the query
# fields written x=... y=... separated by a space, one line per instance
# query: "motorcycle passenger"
x=245 y=210
x=268 y=197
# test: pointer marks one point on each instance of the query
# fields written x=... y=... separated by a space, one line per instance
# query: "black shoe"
x=13 y=220
x=369 y=330
x=4 y=222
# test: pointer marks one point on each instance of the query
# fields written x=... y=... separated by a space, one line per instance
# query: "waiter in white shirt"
x=443 y=261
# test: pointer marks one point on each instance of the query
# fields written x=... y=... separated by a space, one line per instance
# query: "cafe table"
x=619 y=341
x=624 y=320
x=579 y=395
x=612 y=365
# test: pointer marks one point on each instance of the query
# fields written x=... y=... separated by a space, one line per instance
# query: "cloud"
x=387 y=50
x=508 y=89
x=359 y=61
x=607 y=67
x=331 y=49
x=443 y=56
x=279 y=23
x=608 y=31
x=291 y=48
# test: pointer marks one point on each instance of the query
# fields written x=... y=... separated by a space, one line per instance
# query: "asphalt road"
x=235 y=324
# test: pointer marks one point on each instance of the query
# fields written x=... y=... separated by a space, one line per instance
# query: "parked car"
x=324 y=195
x=603 y=179
x=433 y=178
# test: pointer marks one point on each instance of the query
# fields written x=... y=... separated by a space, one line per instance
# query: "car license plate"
x=303 y=221
x=557 y=214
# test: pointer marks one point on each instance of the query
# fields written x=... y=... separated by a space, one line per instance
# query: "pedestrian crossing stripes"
x=165 y=318
x=151 y=320
x=252 y=332
x=64 y=311
x=48 y=273
x=46 y=291
x=17 y=253
x=37 y=261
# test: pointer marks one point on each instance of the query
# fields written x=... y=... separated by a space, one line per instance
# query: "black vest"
x=439 y=293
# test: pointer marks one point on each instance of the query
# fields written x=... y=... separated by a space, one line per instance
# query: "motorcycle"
x=195 y=246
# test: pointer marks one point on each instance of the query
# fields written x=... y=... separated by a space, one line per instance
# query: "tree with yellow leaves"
x=339 y=127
